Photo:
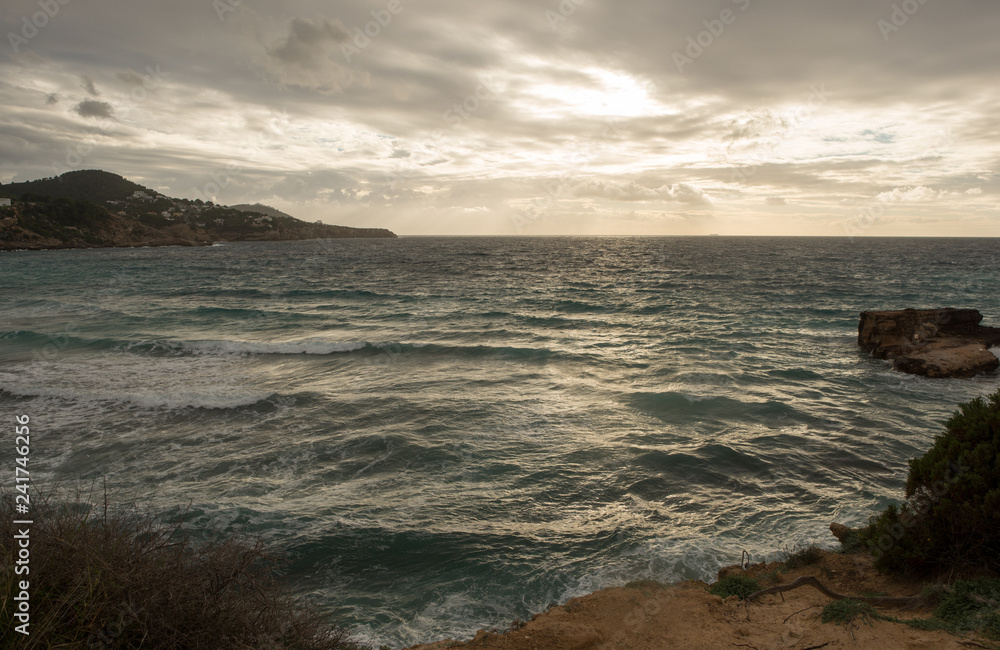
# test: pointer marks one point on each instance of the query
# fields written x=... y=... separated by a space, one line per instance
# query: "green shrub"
x=853 y=542
x=951 y=518
x=846 y=610
x=741 y=586
x=973 y=606
x=966 y=606
x=803 y=557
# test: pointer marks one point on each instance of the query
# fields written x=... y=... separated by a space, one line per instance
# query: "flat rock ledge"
x=931 y=342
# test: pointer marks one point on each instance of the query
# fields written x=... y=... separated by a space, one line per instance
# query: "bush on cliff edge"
x=951 y=517
x=115 y=578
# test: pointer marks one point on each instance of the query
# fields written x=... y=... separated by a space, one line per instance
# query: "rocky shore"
x=650 y=616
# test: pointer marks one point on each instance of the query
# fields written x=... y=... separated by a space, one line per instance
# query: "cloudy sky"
x=855 y=117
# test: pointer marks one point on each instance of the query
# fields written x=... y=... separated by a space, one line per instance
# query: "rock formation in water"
x=931 y=342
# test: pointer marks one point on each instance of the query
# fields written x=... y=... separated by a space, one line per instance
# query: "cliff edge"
x=651 y=616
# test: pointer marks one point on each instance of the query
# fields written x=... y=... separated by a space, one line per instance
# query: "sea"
x=443 y=434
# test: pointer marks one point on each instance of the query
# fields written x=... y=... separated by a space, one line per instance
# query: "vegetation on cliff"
x=951 y=517
x=107 y=577
x=88 y=184
x=63 y=218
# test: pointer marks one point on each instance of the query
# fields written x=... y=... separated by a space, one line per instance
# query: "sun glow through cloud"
x=607 y=94
x=449 y=120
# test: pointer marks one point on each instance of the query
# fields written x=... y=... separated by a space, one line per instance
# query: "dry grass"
x=115 y=577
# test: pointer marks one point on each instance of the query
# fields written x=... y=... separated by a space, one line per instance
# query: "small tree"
x=951 y=518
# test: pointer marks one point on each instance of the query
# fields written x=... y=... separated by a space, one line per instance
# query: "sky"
x=518 y=117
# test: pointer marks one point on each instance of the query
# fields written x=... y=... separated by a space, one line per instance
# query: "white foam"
x=159 y=382
x=301 y=346
x=168 y=400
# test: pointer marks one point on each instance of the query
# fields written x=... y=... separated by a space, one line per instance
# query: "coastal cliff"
x=648 y=615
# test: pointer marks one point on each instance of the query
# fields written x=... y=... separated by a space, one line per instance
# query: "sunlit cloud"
x=795 y=120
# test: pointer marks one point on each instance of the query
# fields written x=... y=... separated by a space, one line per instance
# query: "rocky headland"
x=931 y=342
x=97 y=209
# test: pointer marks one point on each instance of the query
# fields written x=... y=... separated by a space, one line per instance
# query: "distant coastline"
x=98 y=209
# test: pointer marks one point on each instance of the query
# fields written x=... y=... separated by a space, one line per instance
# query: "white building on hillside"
x=4 y=203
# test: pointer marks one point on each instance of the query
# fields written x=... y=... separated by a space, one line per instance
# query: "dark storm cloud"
x=93 y=108
x=305 y=57
x=130 y=77
x=308 y=42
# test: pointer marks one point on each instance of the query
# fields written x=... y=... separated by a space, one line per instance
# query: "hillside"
x=89 y=185
x=260 y=208
x=92 y=208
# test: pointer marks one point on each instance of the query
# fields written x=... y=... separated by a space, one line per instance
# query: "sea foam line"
x=167 y=400
x=302 y=346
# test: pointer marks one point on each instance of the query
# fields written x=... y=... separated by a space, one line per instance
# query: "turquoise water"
x=445 y=434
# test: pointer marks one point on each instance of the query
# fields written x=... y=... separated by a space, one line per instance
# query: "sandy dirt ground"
x=650 y=616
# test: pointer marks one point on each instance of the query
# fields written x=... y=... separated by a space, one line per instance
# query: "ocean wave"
x=670 y=405
x=170 y=400
x=307 y=346
x=48 y=345
x=219 y=292
x=799 y=374
x=227 y=311
x=301 y=346
x=316 y=346
x=155 y=383
x=567 y=306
